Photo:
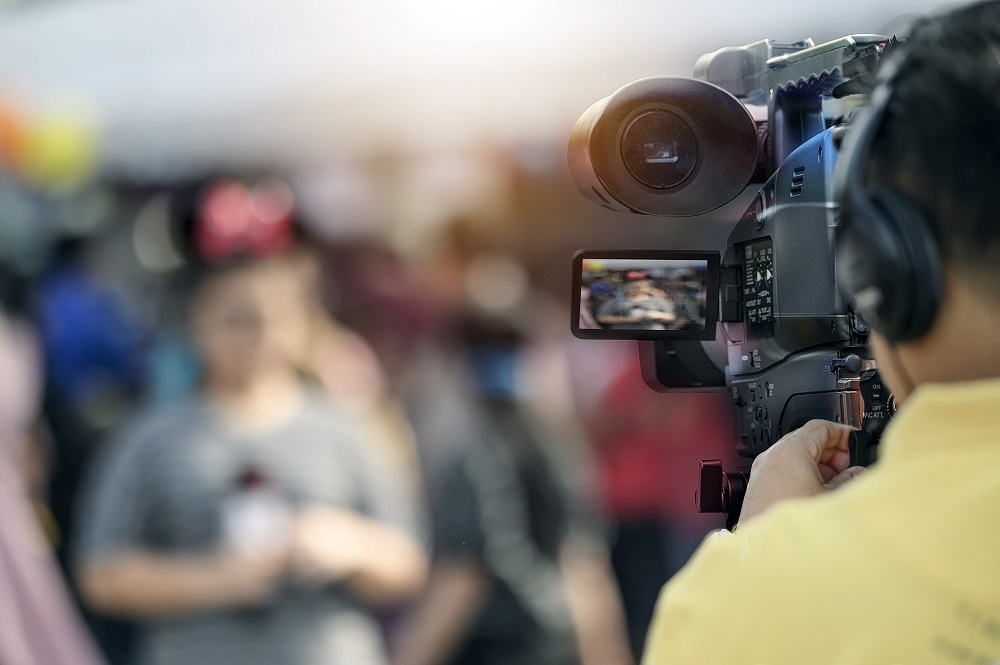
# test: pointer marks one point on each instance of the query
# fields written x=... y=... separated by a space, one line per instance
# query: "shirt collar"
x=941 y=417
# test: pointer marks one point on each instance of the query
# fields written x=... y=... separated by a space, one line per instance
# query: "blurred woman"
x=247 y=524
x=38 y=625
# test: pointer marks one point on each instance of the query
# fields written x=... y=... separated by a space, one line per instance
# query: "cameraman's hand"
x=809 y=461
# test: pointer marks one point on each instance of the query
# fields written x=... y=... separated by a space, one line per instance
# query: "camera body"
x=786 y=345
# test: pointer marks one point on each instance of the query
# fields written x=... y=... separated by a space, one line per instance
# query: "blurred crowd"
x=230 y=438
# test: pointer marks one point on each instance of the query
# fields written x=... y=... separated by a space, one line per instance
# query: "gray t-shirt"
x=161 y=487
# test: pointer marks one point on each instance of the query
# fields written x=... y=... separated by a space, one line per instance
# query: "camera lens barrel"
x=664 y=145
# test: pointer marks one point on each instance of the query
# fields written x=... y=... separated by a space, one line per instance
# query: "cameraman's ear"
x=890 y=368
x=847 y=474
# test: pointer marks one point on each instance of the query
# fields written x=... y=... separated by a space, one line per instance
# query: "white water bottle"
x=256 y=519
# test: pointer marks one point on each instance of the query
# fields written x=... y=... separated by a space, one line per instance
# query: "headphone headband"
x=887 y=263
x=849 y=181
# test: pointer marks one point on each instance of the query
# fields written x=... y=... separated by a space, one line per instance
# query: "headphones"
x=888 y=264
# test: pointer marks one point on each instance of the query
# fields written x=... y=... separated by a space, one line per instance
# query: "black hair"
x=940 y=141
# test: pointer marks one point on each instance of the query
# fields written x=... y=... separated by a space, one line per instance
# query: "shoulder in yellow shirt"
x=900 y=566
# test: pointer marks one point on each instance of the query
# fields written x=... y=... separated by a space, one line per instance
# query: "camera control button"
x=853 y=363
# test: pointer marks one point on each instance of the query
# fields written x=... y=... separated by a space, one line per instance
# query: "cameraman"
x=903 y=565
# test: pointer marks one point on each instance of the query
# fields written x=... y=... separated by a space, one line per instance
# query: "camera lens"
x=659 y=149
x=664 y=145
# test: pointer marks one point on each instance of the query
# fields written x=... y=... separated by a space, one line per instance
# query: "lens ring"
x=659 y=149
x=727 y=143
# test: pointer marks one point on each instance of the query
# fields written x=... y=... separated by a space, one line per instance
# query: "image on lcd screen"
x=643 y=294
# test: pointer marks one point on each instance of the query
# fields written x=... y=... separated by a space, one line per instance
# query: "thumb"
x=844 y=476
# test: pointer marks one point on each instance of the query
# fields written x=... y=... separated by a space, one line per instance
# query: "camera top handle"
x=792 y=80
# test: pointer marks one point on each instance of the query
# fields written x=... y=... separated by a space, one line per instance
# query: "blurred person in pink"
x=38 y=624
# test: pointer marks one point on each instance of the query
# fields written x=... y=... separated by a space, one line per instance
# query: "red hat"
x=233 y=219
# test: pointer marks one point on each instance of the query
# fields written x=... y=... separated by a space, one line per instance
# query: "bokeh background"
x=424 y=144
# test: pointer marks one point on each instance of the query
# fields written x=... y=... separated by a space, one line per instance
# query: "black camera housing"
x=787 y=346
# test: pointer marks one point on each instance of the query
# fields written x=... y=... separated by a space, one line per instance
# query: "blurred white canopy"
x=187 y=83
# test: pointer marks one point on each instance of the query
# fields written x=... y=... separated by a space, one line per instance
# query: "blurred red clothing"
x=649 y=445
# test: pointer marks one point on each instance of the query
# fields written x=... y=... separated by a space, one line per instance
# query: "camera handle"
x=723 y=491
x=863 y=449
x=720 y=491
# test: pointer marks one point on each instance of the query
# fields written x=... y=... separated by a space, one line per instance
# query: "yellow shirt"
x=900 y=566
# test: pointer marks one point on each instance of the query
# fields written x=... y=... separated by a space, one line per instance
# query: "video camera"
x=765 y=320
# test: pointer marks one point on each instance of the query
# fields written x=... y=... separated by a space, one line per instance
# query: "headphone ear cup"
x=868 y=257
x=910 y=273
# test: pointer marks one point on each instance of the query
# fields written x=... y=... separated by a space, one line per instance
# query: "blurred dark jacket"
x=504 y=498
